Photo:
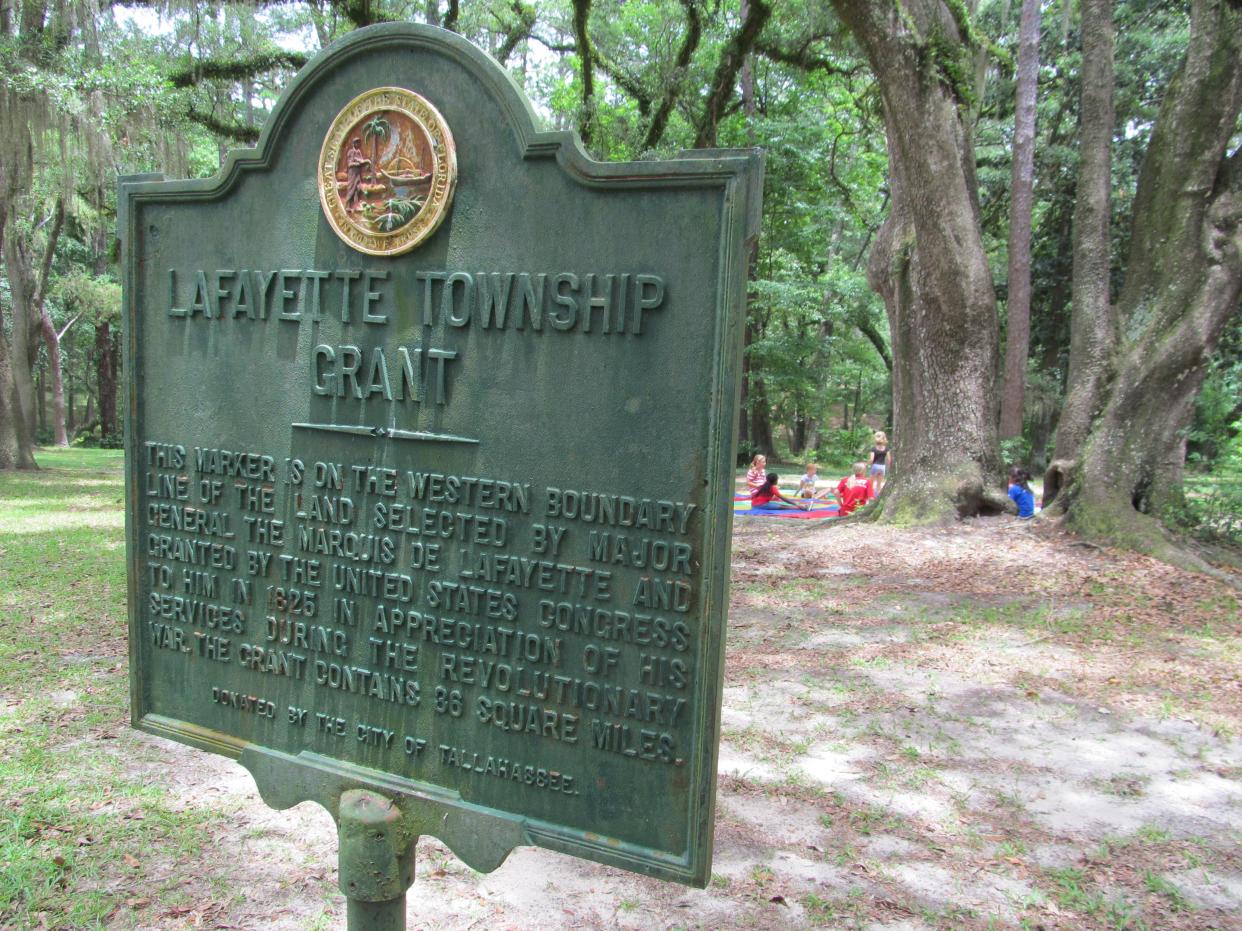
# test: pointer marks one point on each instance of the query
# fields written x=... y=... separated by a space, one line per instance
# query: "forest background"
x=1007 y=231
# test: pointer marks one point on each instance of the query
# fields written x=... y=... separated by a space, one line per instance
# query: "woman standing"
x=879 y=461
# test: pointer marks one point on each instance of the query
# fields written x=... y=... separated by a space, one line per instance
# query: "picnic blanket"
x=741 y=505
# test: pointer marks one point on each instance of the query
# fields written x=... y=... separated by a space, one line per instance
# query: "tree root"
x=1057 y=478
x=1117 y=524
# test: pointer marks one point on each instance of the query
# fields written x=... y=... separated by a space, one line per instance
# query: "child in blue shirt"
x=1020 y=492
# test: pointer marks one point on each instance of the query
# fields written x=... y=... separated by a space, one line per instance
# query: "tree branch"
x=65 y=328
x=868 y=329
x=676 y=80
x=234 y=68
x=45 y=267
x=1231 y=172
x=803 y=58
x=360 y=12
x=562 y=48
x=624 y=80
x=730 y=64
x=163 y=4
x=450 y=18
x=837 y=182
x=582 y=10
x=238 y=132
x=526 y=18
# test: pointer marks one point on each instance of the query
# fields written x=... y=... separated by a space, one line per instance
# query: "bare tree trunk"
x=1093 y=322
x=40 y=403
x=798 y=435
x=105 y=376
x=929 y=265
x=24 y=339
x=761 y=422
x=752 y=258
x=743 y=431
x=51 y=338
x=1183 y=283
x=16 y=446
x=16 y=380
x=1045 y=420
x=1018 y=327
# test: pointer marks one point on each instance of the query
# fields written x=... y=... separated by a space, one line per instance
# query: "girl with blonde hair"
x=880 y=459
x=757 y=474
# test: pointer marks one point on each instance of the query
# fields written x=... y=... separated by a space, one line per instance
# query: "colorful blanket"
x=741 y=505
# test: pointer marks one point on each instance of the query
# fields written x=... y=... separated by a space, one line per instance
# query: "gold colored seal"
x=387 y=171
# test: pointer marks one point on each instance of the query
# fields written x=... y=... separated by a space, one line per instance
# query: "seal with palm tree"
x=389 y=167
x=387 y=190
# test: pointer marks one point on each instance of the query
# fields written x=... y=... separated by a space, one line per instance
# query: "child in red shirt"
x=854 y=490
x=767 y=495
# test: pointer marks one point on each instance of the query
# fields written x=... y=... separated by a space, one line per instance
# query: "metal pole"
x=376 y=861
x=376 y=916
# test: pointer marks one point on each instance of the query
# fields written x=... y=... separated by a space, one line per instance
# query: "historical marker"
x=430 y=439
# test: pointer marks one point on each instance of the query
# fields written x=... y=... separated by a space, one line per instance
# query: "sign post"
x=430 y=465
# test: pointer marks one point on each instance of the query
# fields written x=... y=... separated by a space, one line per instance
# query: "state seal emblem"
x=387 y=171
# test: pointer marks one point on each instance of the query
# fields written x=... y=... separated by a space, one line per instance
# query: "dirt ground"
x=981 y=727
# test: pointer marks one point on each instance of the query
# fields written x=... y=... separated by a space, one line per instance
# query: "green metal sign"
x=429 y=463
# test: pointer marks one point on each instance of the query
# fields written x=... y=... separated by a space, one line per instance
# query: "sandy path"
x=972 y=728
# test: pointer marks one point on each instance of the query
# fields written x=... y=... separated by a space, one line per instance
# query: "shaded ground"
x=980 y=727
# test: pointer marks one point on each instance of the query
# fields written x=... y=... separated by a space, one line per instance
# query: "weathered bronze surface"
x=445 y=521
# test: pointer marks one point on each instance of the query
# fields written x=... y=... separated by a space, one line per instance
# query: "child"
x=881 y=458
x=806 y=484
x=1020 y=492
x=766 y=496
x=757 y=475
x=855 y=490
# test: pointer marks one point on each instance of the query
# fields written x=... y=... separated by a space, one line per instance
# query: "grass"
x=844 y=911
x=83 y=843
x=1159 y=885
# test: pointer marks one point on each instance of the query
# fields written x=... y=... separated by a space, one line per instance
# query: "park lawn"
x=1214 y=505
x=76 y=822
x=974 y=727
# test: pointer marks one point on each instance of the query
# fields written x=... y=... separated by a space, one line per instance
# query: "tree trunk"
x=743 y=430
x=1183 y=283
x=798 y=435
x=1018 y=327
x=1093 y=323
x=761 y=421
x=16 y=445
x=1045 y=421
x=105 y=377
x=52 y=340
x=928 y=264
x=16 y=373
x=752 y=254
x=33 y=294
x=40 y=403
x=857 y=399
